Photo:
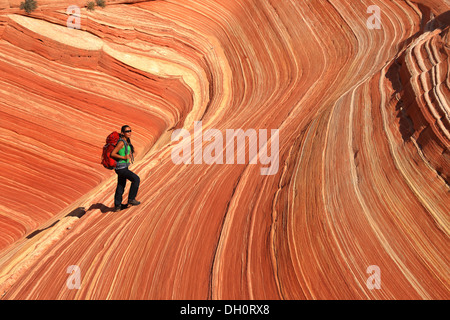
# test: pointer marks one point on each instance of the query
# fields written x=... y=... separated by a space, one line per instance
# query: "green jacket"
x=126 y=149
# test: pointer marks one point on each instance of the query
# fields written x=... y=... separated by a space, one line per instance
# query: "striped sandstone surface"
x=364 y=163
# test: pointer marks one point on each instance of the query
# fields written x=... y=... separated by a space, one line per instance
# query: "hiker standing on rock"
x=123 y=153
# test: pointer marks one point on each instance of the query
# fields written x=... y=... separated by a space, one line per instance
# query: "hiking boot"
x=120 y=207
x=134 y=202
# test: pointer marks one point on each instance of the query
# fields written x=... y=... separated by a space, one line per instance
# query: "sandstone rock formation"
x=363 y=179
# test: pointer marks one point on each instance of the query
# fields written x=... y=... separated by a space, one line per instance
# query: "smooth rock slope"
x=363 y=159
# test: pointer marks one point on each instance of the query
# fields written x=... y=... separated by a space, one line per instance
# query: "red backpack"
x=111 y=142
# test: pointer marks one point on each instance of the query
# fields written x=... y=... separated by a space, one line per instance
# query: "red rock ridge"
x=363 y=150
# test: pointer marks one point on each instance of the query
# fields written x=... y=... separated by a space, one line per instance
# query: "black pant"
x=122 y=176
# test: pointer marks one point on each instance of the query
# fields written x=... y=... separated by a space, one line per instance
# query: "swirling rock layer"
x=363 y=179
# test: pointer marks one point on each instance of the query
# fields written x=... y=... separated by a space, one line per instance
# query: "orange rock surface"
x=364 y=163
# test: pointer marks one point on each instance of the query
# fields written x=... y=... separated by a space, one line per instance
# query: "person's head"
x=126 y=131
